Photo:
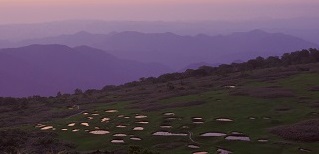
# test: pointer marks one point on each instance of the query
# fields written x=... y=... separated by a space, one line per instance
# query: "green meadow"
x=253 y=108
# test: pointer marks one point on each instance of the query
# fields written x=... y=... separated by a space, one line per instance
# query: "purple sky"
x=28 y=11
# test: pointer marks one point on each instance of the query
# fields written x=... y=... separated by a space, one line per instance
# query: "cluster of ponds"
x=141 y=119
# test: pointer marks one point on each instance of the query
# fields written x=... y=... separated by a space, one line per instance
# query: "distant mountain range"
x=47 y=69
x=178 y=51
x=96 y=60
x=302 y=27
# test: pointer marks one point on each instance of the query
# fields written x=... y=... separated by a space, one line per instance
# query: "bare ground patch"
x=302 y=131
x=314 y=104
x=263 y=92
x=283 y=108
x=315 y=88
x=167 y=146
x=158 y=106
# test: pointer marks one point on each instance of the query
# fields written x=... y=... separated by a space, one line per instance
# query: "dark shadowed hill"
x=47 y=69
x=179 y=51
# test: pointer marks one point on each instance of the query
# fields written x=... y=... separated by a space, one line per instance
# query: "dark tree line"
x=294 y=58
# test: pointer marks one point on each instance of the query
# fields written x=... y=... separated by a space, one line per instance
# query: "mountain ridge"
x=46 y=69
x=165 y=48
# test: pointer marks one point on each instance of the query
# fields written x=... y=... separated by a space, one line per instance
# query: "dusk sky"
x=28 y=11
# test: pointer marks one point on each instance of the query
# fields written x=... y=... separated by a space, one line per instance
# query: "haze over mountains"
x=46 y=69
x=139 y=49
x=178 y=51
x=302 y=27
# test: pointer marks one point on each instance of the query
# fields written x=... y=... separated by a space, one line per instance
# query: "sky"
x=31 y=11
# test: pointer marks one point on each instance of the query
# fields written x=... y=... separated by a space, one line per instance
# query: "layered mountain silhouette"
x=47 y=69
x=302 y=27
x=179 y=51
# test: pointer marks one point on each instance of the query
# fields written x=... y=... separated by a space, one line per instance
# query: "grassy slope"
x=218 y=103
